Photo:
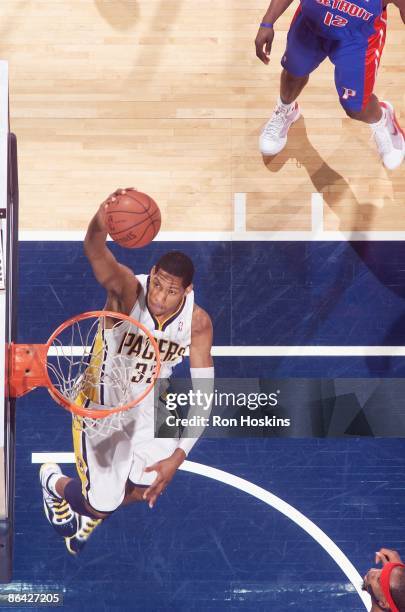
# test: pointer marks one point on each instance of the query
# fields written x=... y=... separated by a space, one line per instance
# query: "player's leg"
x=66 y=508
x=71 y=490
x=57 y=510
x=387 y=133
x=356 y=68
x=133 y=493
x=304 y=53
x=291 y=87
x=371 y=113
x=103 y=465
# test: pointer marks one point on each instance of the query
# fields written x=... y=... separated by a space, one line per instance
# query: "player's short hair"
x=177 y=264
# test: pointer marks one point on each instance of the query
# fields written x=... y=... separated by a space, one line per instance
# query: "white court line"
x=52 y=457
x=263 y=495
x=239 y=212
x=273 y=351
x=317 y=214
x=226 y=236
x=308 y=351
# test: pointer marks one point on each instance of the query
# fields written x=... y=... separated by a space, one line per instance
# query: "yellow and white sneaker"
x=87 y=525
x=57 y=510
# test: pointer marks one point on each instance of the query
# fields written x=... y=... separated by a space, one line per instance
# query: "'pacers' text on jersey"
x=134 y=349
x=137 y=346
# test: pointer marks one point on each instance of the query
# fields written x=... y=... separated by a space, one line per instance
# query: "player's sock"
x=381 y=123
x=285 y=107
x=51 y=484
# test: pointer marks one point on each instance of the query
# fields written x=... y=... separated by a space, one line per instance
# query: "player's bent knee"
x=352 y=113
x=292 y=78
x=134 y=493
x=74 y=496
x=93 y=513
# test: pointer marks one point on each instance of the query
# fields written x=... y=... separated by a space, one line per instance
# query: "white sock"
x=51 y=485
x=285 y=107
x=381 y=123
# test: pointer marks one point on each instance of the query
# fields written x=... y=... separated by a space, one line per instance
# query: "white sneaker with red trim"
x=274 y=135
x=389 y=138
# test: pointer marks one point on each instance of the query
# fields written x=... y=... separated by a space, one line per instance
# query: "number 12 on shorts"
x=335 y=20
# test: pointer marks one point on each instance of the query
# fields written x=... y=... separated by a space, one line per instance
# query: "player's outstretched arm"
x=400 y=4
x=117 y=279
x=387 y=555
x=202 y=366
x=201 y=339
x=265 y=35
x=202 y=374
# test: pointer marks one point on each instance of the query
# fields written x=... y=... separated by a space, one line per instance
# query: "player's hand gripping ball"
x=132 y=218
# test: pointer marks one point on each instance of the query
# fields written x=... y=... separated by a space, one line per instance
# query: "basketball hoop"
x=98 y=365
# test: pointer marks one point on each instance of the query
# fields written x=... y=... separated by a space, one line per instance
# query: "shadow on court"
x=383 y=259
x=120 y=14
x=333 y=186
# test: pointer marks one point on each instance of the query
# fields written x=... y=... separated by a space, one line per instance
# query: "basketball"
x=132 y=219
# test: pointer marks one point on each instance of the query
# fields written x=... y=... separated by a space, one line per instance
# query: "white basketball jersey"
x=128 y=350
x=172 y=335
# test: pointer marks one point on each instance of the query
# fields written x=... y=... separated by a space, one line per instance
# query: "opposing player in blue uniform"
x=352 y=34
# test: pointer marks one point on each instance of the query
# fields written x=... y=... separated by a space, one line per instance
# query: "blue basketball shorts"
x=356 y=60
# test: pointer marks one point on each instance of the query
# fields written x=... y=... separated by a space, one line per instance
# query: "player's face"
x=165 y=293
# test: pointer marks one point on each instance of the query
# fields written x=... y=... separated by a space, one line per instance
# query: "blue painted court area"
x=206 y=545
x=259 y=293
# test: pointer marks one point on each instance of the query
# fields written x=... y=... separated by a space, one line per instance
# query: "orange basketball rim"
x=78 y=368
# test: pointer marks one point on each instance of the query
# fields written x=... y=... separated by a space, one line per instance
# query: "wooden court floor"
x=170 y=98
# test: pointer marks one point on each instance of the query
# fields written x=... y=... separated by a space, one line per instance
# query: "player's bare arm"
x=265 y=35
x=201 y=339
x=118 y=280
x=200 y=357
x=386 y=555
x=400 y=4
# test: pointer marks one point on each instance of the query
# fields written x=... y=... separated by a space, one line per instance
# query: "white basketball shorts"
x=105 y=464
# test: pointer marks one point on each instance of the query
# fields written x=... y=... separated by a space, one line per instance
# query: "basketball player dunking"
x=352 y=34
x=135 y=467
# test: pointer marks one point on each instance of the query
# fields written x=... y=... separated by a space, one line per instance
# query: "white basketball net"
x=101 y=364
